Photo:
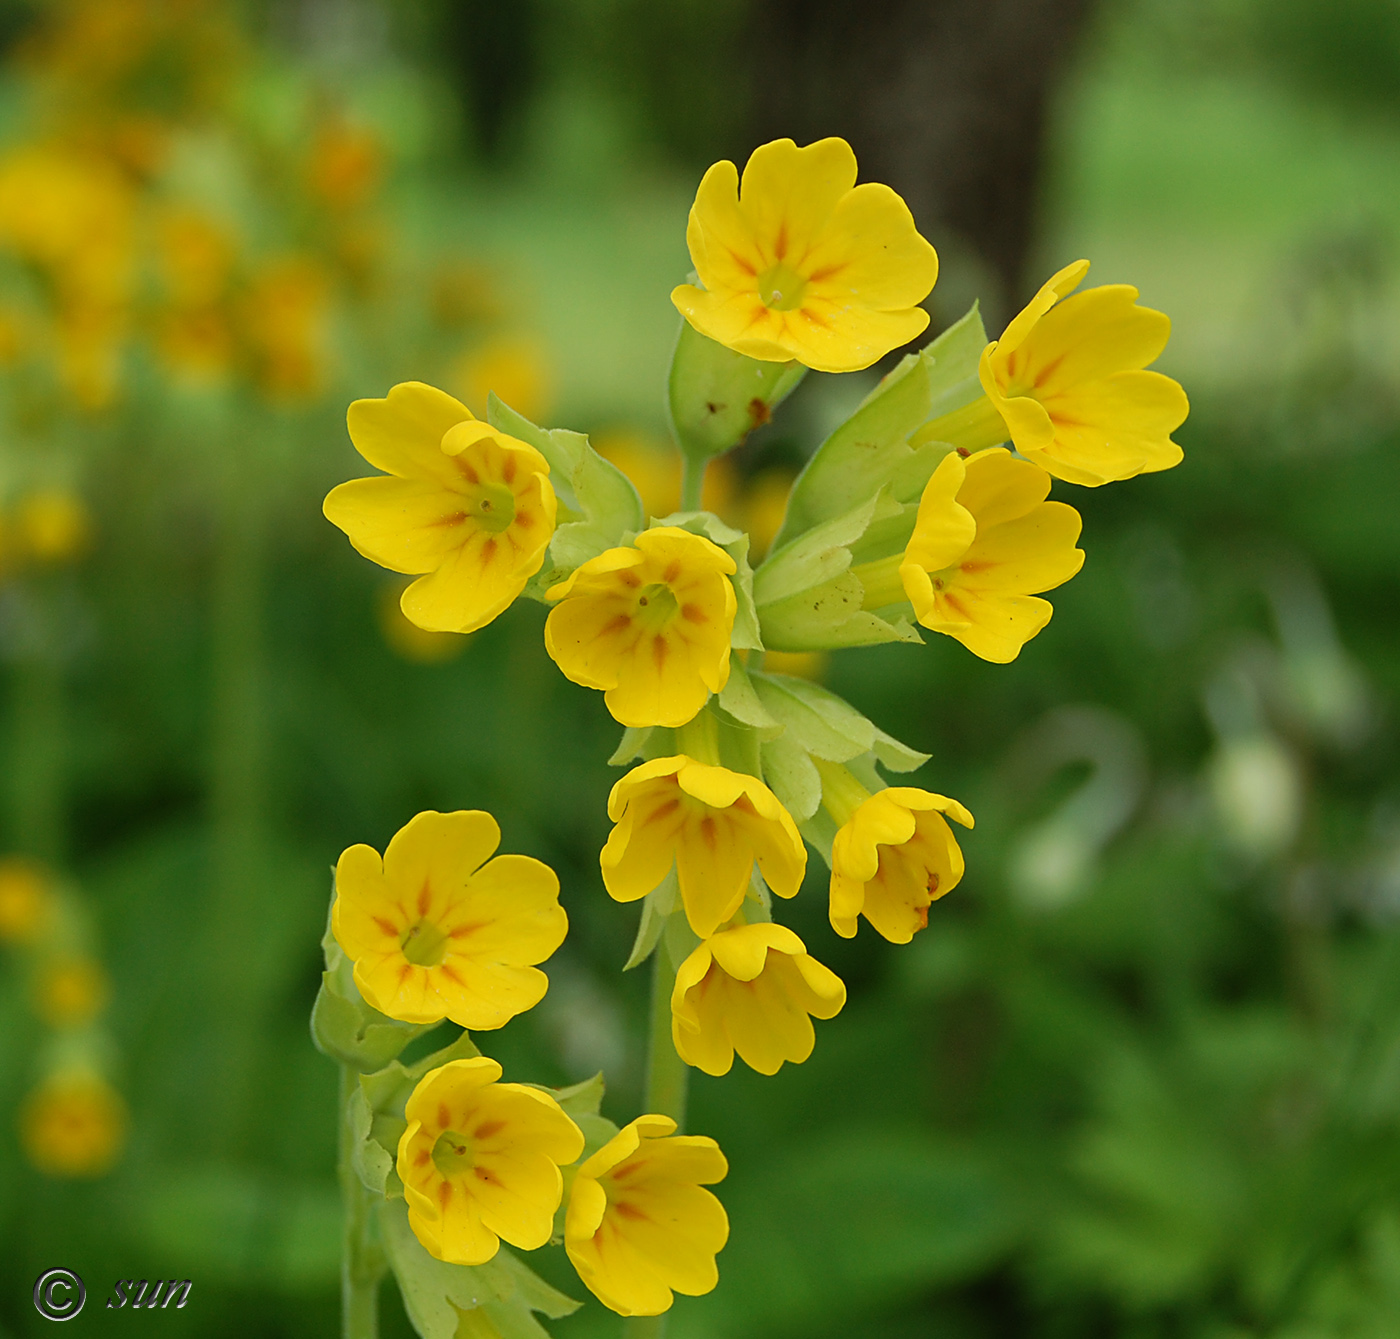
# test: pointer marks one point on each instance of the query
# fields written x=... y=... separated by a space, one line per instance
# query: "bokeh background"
x=1141 y=1075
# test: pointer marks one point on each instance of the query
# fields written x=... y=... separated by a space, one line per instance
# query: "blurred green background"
x=1141 y=1075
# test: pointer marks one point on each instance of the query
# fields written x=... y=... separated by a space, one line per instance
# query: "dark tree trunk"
x=945 y=100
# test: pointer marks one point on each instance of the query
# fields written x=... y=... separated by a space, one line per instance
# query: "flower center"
x=424 y=944
x=781 y=288
x=656 y=606
x=454 y=1153
x=491 y=506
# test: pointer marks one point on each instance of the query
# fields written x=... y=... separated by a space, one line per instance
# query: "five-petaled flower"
x=798 y=262
x=712 y=825
x=985 y=543
x=467 y=509
x=751 y=989
x=894 y=855
x=649 y=624
x=640 y=1223
x=1067 y=377
x=439 y=930
x=480 y=1162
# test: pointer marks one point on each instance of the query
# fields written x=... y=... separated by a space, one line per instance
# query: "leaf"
x=580 y=1099
x=738 y=698
x=871 y=450
x=717 y=397
x=657 y=905
x=435 y=1292
x=589 y=486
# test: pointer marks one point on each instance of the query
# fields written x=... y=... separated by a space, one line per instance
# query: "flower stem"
x=361 y=1262
x=668 y=1078
x=693 y=480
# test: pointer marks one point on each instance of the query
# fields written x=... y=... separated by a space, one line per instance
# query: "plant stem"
x=692 y=481
x=668 y=1078
x=361 y=1264
x=37 y=779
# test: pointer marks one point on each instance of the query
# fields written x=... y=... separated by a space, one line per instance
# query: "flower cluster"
x=928 y=509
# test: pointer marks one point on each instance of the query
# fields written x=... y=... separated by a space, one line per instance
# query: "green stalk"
x=361 y=1262
x=693 y=480
x=668 y=1079
x=37 y=758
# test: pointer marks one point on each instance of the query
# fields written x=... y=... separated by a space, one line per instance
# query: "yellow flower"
x=894 y=856
x=54 y=525
x=985 y=543
x=469 y=507
x=712 y=824
x=407 y=639
x=346 y=164
x=639 y=1222
x=750 y=989
x=284 y=323
x=516 y=368
x=649 y=624
x=70 y=992
x=25 y=900
x=1067 y=378
x=439 y=930
x=480 y=1162
x=73 y=1124
x=801 y=263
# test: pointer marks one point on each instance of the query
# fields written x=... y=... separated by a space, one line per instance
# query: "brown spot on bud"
x=759 y=412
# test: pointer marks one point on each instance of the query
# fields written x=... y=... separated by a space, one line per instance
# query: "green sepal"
x=435 y=1294
x=739 y=700
x=347 y=1029
x=870 y=450
x=657 y=906
x=632 y=745
x=736 y=544
x=600 y=502
x=789 y=772
x=828 y=726
x=806 y=596
x=717 y=397
x=581 y=1103
x=376 y=1110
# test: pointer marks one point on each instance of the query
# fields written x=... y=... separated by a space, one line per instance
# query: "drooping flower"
x=438 y=929
x=798 y=262
x=649 y=624
x=893 y=856
x=467 y=509
x=985 y=543
x=712 y=825
x=480 y=1162
x=73 y=1124
x=751 y=989
x=1068 y=378
x=640 y=1226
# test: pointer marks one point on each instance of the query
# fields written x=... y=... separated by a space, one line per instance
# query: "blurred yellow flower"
x=26 y=897
x=985 y=543
x=893 y=856
x=73 y=1125
x=70 y=992
x=750 y=989
x=196 y=255
x=515 y=367
x=762 y=504
x=53 y=525
x=480 y=1162
x=798 y=262
x=407 y=639
x=640 y=1224
x=649 y=625
x=346 y=164
x=284 y=314
x=712 y=825
x=1067 y=377
x=437 y=929
x=470 y=507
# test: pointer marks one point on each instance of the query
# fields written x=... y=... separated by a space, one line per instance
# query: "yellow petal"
x=719 y=236
x=832 y=338
x=738 y=320
x=473 y=586
x=943 y=528
x=436 y=852
x=406 y=525
x=871 y=254
x=1031 y=554
x=997 y=487
x=402 y=434
x=1060 y=283
x=1090 y=336
x=788 y=194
